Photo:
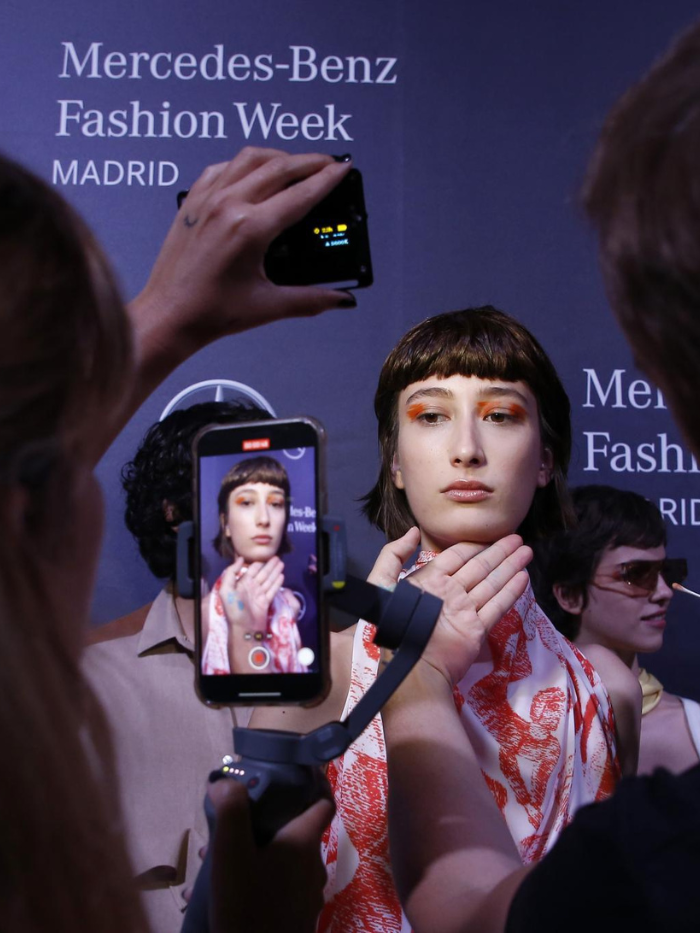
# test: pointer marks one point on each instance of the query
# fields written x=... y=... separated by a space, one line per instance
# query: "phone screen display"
x=330 y=246
x=261 y=636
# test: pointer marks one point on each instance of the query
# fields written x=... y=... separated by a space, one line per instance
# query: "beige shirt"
x=166 y=743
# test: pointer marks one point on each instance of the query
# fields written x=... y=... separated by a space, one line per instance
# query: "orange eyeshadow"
x=512 y=408
x=413 y=411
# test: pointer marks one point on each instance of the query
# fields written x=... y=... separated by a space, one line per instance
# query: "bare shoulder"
x=626 y=698
x=305 y=719
x=617 y=677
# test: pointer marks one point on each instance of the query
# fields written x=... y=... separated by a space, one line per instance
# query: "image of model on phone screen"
x=252 y=616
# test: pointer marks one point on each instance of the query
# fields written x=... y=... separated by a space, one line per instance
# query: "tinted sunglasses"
x=644 y=574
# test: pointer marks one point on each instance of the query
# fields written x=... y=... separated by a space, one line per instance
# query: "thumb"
x=309 y=825
x=392 y=557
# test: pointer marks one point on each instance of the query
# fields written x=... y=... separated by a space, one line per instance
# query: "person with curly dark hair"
x=158 y=481
x=141 y=666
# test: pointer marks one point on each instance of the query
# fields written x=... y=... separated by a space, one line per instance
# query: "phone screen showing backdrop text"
x=275 y=490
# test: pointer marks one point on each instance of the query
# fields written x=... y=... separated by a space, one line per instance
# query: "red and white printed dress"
x=542 y=725
x=284 y=641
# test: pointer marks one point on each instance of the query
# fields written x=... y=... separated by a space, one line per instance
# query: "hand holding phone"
x=329 y=246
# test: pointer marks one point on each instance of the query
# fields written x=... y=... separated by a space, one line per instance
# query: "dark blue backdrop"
x=472 y=124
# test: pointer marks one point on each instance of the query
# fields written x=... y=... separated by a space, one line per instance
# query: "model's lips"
x=467 y=491
x=262 y=539
x=658 y=620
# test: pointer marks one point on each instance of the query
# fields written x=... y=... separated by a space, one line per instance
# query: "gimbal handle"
x=280 y=769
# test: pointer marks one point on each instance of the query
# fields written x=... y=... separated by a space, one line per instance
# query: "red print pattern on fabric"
x=365 y=899
x=527 y=745
x=541 y=724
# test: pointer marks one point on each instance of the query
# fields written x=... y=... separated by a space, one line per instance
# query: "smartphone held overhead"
x=330 y=246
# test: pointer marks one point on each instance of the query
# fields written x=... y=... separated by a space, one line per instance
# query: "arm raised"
x=455 y=863
x=209 y=279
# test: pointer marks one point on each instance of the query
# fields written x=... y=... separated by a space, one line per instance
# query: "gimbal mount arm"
x=280 y=769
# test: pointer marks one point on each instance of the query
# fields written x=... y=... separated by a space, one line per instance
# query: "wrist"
x=160 y=347
x=423 y=687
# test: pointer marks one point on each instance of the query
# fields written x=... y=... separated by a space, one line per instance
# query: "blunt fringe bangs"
x=488 y=344
x=254 y=470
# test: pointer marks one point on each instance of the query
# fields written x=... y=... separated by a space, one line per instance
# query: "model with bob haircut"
x=475 y=437
x=487 y=344
x=252 y=617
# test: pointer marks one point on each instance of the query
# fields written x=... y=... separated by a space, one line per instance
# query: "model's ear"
x=570 y=600
x=396 y=474
x=224 y=526
x=544 y=477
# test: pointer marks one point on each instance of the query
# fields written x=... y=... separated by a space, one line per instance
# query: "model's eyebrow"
x=435 y=392
x=274 y=491
x=503 y=392
x=486 y=392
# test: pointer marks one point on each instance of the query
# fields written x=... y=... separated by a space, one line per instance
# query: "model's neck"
x=434 y=548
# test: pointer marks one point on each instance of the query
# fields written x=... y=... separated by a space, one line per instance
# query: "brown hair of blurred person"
x=65 y=356
x=642 y=194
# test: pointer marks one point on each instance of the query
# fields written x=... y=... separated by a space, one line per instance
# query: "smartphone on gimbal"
x=259 y=554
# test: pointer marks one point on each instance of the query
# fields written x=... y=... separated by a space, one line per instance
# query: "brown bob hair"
x=254 y=470
x=488 y=344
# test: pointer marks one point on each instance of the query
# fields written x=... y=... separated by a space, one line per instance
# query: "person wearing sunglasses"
x=608 y=582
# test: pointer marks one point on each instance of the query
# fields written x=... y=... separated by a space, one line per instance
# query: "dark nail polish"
x=343 y=158
x=348 y=302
